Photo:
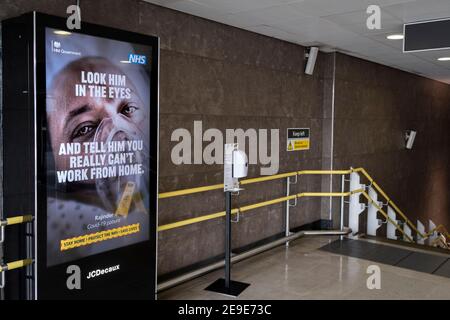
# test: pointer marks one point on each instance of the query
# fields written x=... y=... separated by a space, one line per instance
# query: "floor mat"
x=404 y=258
x=422 y=262
x=444 y=269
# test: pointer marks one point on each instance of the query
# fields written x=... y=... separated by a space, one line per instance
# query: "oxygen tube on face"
x=122 y=195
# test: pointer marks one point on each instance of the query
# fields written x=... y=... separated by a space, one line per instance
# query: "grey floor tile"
x=422 y=262
x=444 y=269
x=367 y=250
x=390 y=255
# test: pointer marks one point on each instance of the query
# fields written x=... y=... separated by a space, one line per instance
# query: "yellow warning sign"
x=301 y=145
x=298 y=139
x=290 y=146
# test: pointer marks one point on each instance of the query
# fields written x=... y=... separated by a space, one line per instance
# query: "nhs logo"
x=137 y=59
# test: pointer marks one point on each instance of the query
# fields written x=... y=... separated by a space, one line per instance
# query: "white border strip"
x=157 y=176
x=35 y=157
x=332 y=134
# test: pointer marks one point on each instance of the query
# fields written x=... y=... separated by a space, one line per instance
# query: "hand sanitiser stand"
x=235 y=167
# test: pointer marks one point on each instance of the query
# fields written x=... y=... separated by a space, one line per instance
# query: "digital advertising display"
x=97 y=108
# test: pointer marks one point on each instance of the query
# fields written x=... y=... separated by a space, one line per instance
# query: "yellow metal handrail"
x=391 y=203
x=16 y=220
x=396 y=208
x=439 y=227
x=15 y=265
x=254 y=206
x=185 y=192
x=279 y=200
x=324 y=172
x=370 y=200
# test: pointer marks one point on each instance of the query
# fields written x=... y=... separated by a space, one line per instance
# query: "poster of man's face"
x=98 y=107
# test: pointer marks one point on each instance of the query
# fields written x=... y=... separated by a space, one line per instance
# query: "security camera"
x=410 y=137
x=240 y=164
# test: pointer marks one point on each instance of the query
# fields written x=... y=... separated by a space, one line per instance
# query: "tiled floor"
x=302 y=271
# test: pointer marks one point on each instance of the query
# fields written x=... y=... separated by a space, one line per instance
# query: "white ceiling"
x=333 y=25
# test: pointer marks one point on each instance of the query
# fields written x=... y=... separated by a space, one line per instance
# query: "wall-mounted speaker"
x=311 y=57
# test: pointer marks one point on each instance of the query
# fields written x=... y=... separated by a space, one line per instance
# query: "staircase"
x=373 y=200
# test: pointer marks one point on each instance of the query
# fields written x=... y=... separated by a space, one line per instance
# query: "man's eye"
x=128 y=109
x=84 y=131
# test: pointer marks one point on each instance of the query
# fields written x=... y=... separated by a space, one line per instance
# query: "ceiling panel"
x=320 y=8
x=433 y=56
x=420 y=10
x=267 y=16
x=192 y=7
x=356 y=21
x=332 y=24
x=236 y=6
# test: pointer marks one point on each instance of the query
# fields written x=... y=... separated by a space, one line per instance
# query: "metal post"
x=287 y=230
x=342 y=204
x=231 y=184
x=228 y=239
x=2 y=236
x=2 y=274
x=227 y=286
x=2 y=283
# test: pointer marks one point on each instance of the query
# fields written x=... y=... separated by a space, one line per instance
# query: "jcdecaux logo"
x=74 y=279
x=137 y=59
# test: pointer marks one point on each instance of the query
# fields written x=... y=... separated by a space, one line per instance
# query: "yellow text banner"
x=99 y=236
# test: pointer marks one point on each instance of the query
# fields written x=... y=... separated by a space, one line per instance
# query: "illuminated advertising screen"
x=87 y=128
x=97 y=109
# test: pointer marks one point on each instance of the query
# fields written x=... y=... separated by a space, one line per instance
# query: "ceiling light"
x=62 y=33
x=444 y=59
x=395 y=37
x=125 y=61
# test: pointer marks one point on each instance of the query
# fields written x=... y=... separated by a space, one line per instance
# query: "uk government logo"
x=74 y=279
x=57 y=48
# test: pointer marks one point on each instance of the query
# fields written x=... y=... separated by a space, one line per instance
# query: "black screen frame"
x=431 y=35
x=136 y=278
